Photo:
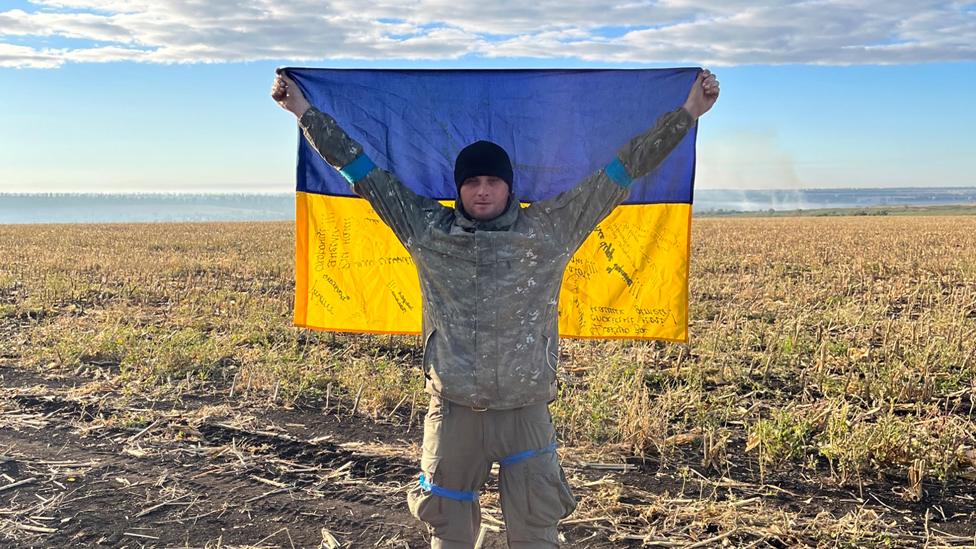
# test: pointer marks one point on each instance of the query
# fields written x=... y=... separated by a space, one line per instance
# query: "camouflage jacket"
x=491 y=289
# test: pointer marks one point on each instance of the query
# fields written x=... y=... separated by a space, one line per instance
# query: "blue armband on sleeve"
x=618 y=173
x=357 y=169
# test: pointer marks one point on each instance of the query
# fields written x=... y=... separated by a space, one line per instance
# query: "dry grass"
x=842 y=349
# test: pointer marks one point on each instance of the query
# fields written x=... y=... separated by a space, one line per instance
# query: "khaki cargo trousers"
x=460 y=445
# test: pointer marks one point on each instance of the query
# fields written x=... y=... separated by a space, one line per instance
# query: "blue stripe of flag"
x=559 y=126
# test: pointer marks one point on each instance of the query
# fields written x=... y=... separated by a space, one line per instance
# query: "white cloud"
x=666 y=31
x=23 y=56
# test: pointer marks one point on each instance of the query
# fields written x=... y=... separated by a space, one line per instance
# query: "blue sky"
x=161 y=96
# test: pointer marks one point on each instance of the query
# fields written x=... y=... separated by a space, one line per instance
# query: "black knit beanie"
x=482 y=158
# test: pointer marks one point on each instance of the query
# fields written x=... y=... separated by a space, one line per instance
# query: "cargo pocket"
x=549 y=497
x=427 y=507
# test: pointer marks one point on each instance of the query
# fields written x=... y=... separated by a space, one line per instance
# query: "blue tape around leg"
x=618 y=173
x=357 y=169
x=458 y=495
x=515 y=458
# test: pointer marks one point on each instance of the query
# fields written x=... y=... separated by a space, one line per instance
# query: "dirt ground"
x=208 y=469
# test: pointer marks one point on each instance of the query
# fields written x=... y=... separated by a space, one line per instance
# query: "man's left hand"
x=703 y=94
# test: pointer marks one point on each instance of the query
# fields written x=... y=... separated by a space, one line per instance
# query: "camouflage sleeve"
x=404 y=211
x=643 y=153
x=576 y=212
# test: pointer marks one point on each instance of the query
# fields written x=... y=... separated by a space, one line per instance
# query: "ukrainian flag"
x=630 y=277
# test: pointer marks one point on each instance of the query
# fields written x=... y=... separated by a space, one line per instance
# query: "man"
x=490 y=274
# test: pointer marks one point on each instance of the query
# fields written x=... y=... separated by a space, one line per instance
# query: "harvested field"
x=154 y=394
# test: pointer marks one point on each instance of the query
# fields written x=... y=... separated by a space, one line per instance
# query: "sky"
x=172 y=95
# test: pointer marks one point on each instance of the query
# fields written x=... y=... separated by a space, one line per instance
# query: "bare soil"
x=82 y=465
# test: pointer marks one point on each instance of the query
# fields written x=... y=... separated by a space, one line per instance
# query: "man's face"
x=484 y=197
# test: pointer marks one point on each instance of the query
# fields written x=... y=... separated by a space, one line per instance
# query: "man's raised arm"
x=403 y=210
x=578 y=210
x=643 y=153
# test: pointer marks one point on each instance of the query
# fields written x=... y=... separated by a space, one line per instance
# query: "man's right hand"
x=288 y=95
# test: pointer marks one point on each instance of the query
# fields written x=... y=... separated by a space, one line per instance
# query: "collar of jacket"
x=500 y=223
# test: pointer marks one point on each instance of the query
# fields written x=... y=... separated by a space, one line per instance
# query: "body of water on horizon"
x=167 y=208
